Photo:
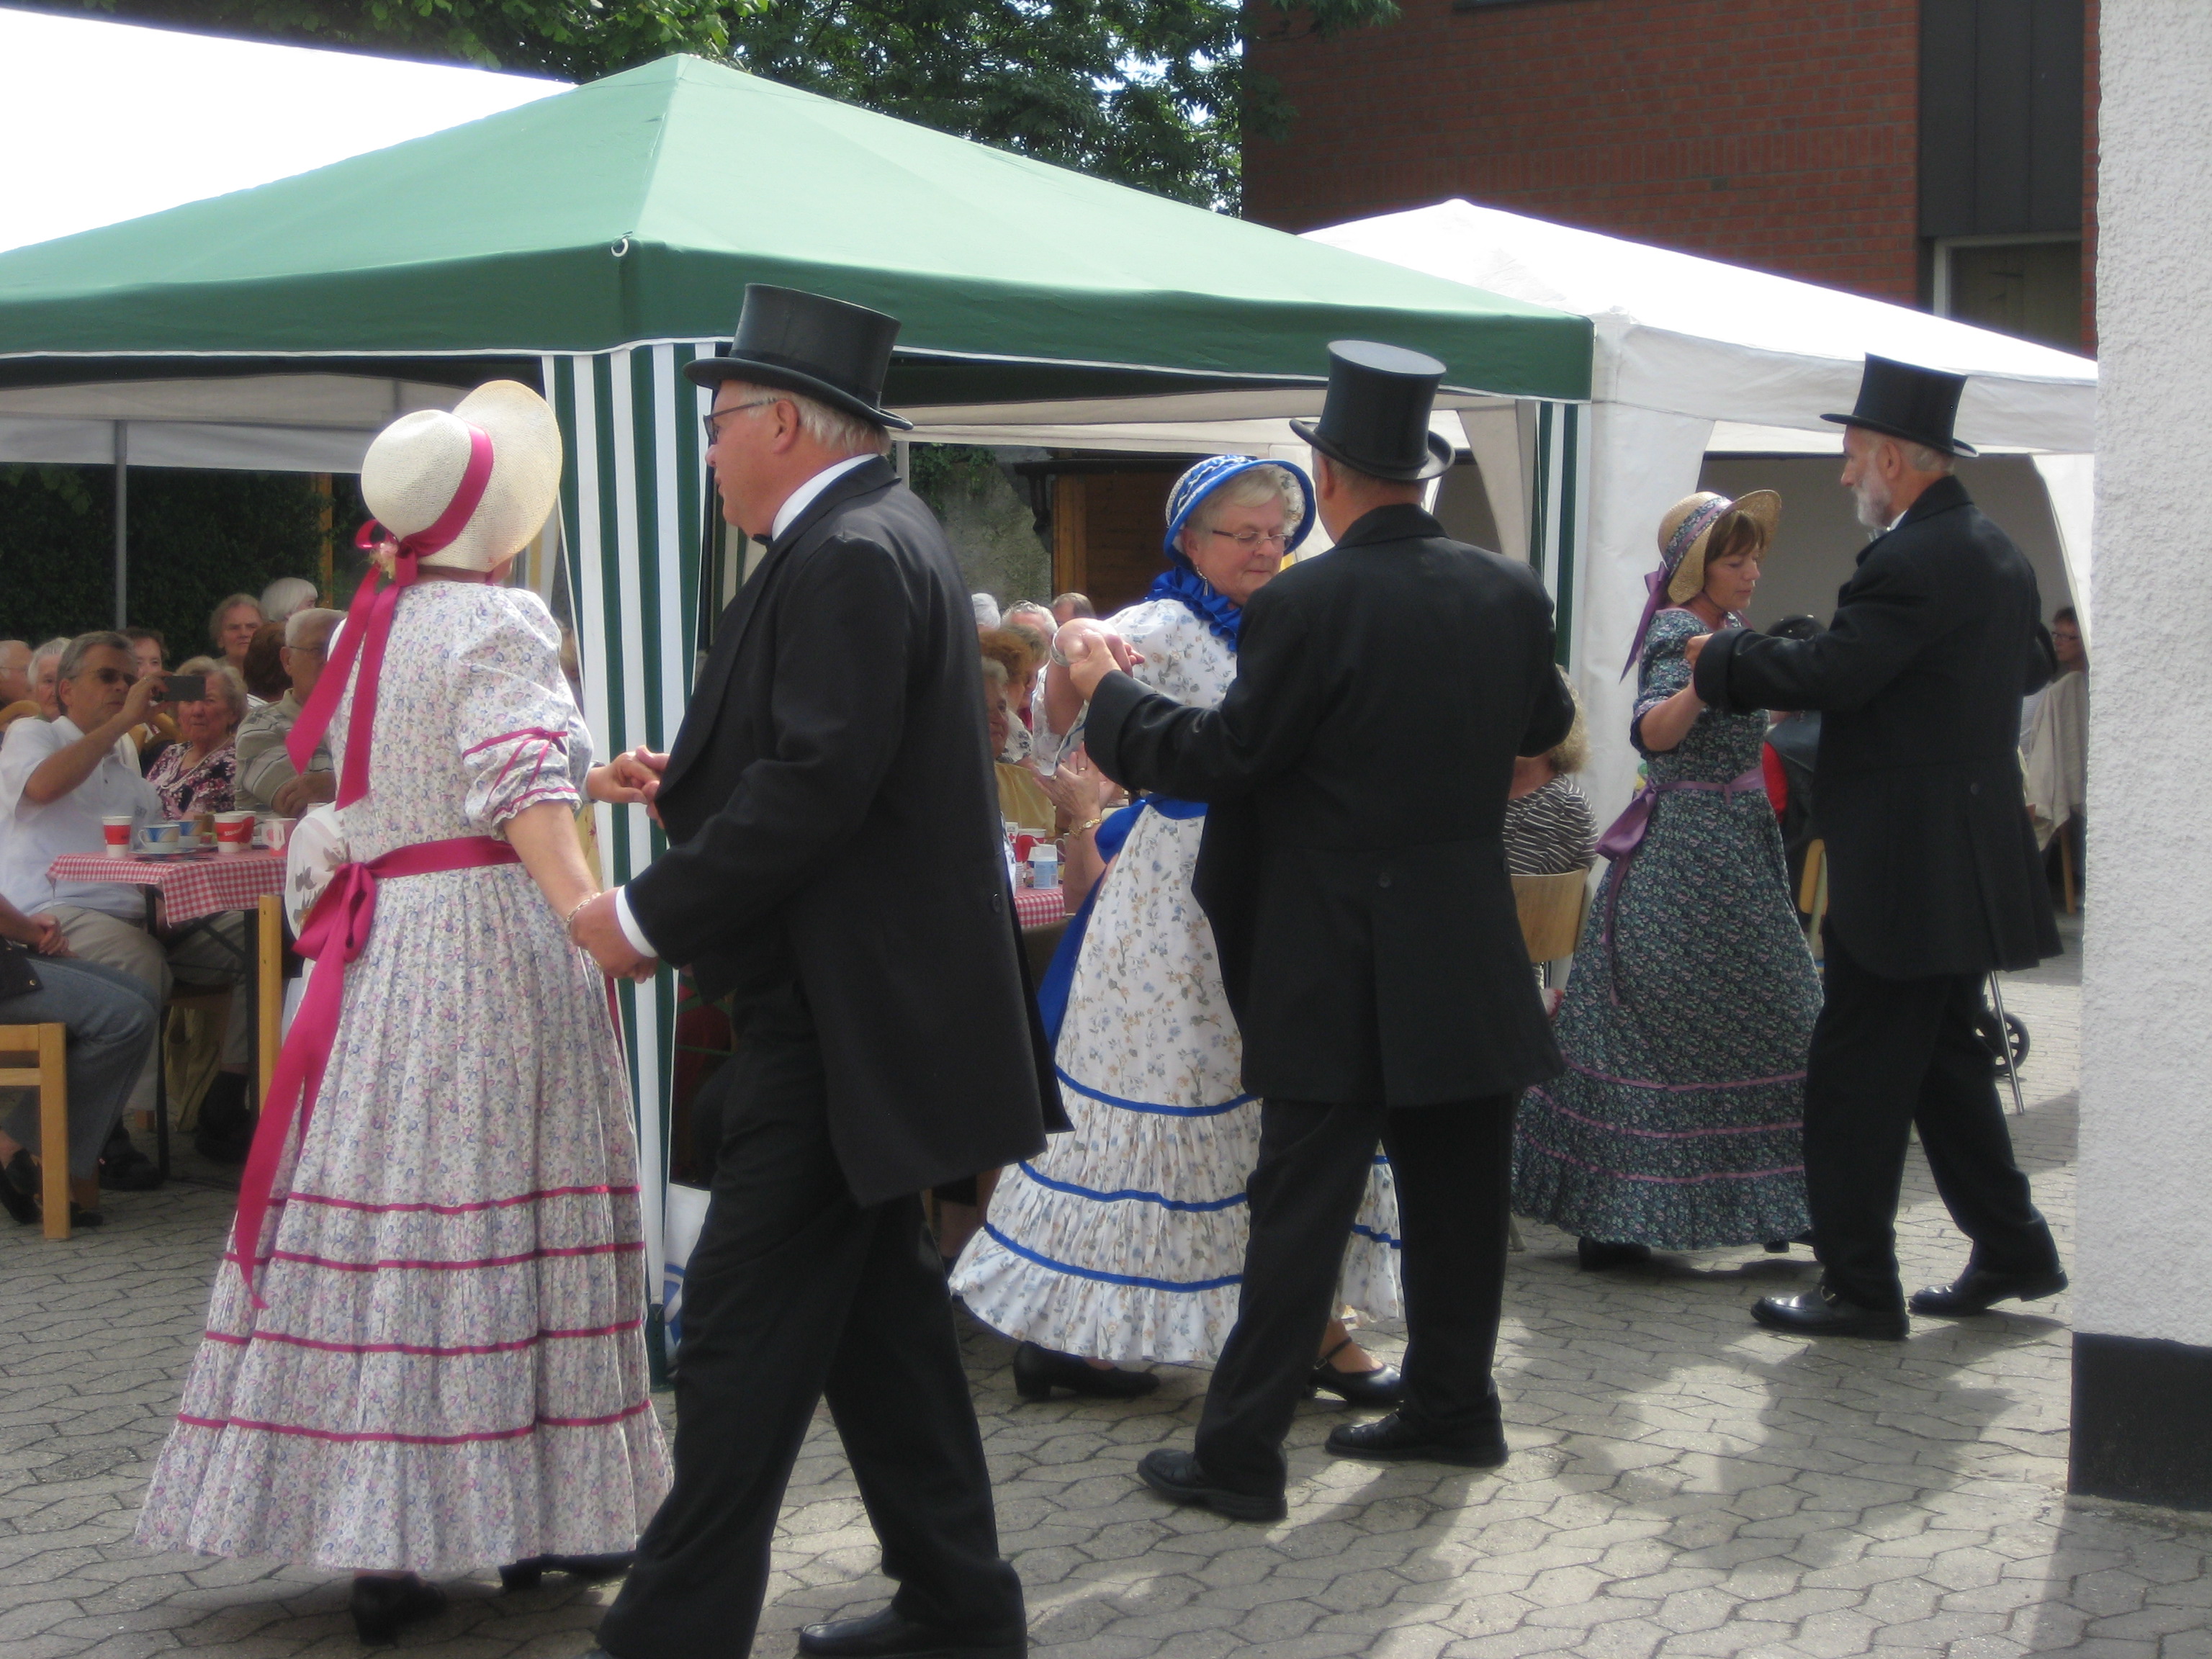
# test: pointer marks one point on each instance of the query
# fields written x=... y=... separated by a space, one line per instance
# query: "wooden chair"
x=1553 y=909
x=50 y=1077
x=1813 y=891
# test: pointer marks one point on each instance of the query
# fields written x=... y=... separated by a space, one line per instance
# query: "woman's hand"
x=630 y=779
x=1079 y=789
x=1093 y=651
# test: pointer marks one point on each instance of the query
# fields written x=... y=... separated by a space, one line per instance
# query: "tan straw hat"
x=415 y=465
x=1687 y=528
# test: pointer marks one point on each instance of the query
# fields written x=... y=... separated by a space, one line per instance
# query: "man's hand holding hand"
x=1094 y=651
x=630 y=779
x=597 y=929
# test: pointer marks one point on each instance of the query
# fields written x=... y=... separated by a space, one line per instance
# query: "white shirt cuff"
x=631 y=931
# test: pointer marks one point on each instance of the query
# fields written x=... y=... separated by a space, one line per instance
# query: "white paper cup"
x=233 y=831
x=117 y=830
x=274 y=833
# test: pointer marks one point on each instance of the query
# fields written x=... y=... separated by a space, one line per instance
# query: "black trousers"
x=794 y=1294
x=1453 y=1166
x=1889 y=1054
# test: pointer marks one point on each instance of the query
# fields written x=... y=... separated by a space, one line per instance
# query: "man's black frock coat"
x=1352 y=864
x=1932 y=864
x=833 y=818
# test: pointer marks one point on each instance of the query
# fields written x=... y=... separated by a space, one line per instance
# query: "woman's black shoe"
x=1595 y=1256
x=1038 y=1371
x=22 y=1173
x=129 y=1171
x=590 y=1569
x=382 y=1607
x=1383 y=1386
x=16 y=1201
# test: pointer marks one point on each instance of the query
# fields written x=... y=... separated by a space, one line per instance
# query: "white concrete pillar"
x=2142 y=1350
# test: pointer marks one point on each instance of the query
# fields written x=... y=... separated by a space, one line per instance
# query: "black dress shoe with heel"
x=1178 y=1476
x=1038 y=1371
x=1978 y=1288
x=586 y=1569
x=382 y=1607
x=1392 y=1439
x=1823 y=1313
x=890 y=1634
x=1384 y=1386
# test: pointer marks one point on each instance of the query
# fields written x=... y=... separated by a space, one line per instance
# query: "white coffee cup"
x=274 y=833
x=167 y=836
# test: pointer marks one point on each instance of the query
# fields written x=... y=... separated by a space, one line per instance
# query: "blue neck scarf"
x=1194 y=594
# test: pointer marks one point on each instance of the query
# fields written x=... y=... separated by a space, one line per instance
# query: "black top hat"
x=1903 y=401
x=1376 y=417
x=809 y=343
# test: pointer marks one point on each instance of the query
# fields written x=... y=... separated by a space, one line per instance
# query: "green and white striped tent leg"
x=1557 y=508
x=630 y=505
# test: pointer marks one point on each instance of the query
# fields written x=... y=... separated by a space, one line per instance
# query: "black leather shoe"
x=382 y=1607
x=129 y=1172
x=1392 y=1439
x=1978 y=1288
x=1595 y=1256
x=1038 y=1371
x=890 y=1634
x=17 y=1202
x=589 y=1569
x=1384 y=1386
x=1818 y=1313
x=1176 y=1475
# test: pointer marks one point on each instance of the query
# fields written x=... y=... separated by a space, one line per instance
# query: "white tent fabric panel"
x=2071 y=483
x=177 y=117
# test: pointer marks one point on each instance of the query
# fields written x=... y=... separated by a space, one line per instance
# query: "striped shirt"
x=1549 y=830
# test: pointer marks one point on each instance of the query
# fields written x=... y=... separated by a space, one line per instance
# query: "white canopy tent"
x=1697 y=358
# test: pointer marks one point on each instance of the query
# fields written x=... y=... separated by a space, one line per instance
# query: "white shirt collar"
x=804 y=497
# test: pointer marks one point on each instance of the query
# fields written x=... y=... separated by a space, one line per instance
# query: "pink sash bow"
x=337 y=933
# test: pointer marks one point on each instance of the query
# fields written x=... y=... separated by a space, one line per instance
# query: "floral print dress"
x=188 y=791
x=450 y=1370
x=1125 y=1239
x=1679 y=1121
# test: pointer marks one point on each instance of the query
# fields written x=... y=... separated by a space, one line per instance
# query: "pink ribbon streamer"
x=337 y=931
x=374 y=610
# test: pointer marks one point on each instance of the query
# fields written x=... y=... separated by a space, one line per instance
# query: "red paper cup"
x=233 y=831
x=116 y=832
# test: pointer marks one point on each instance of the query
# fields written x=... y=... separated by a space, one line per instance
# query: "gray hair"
x=216 y=616
x=74 y=652
x=1030 y=608
x=1253 y=487
x=221 y=679
x=53 y=647
x=994 y=673
x=1921 y=459
x=286 y=598
x=301 y=624
x=833 y=429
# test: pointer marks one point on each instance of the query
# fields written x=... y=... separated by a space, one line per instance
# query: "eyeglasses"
x=1251 y=540
x=713 y=422
x=108 y=677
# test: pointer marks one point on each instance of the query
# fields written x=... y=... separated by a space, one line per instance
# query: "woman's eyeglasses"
x=1251 y=540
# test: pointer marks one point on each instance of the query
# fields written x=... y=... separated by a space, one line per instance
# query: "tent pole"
x=122 y=524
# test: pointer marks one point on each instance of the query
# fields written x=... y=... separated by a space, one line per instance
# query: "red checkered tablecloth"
x=191 y=884
x=1040 y=907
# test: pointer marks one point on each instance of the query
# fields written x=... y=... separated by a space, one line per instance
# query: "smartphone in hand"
x=187 y=688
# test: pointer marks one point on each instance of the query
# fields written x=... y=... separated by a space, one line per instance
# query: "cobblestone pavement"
x=1682 y=1483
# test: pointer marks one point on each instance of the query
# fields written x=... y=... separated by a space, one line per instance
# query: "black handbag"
x=18 y=976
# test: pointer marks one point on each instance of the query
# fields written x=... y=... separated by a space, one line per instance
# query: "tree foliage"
x=1151 y=93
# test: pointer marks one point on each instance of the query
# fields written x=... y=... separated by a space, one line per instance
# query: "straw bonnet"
x=414 y=467
x=1687 y=529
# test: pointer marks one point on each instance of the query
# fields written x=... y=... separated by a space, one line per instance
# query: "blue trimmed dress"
x=1124 y=1240
x=1678 y=1120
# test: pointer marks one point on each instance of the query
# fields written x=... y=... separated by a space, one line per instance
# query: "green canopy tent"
x=596 y=240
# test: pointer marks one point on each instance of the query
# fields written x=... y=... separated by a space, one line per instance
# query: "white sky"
x=101 y=122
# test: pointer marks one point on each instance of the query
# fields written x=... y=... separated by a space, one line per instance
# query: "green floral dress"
x=1678 y=1120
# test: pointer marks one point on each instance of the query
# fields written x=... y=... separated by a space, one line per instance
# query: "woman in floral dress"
x=198 y=773
x=1125 y=1240
x=1678 y=1123
x=439 y=1363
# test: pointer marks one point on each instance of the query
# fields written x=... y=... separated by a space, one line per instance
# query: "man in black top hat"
x=835 y=869
x=1354 y=872
x=1933 y=876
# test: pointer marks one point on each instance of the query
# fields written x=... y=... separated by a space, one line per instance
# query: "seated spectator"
x=58 y=779
x=1034 y=619
x=1548 y=827
x=15 y=698
x=266 y=780
x=1022 y=799
x=987 y=611
x=263 y=674
x=150 y=647
x=1068 y=607
x=45 y=668
x=286 y=598
x=199 y=773
x=2055 y=752
x=110 y=1019
x=231 y=628
x=1023 y=655
x=152 y=652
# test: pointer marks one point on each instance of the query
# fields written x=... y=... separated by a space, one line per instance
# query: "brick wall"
x=1774 y=133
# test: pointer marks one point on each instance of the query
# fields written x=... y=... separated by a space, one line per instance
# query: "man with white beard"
x=1933 y=878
